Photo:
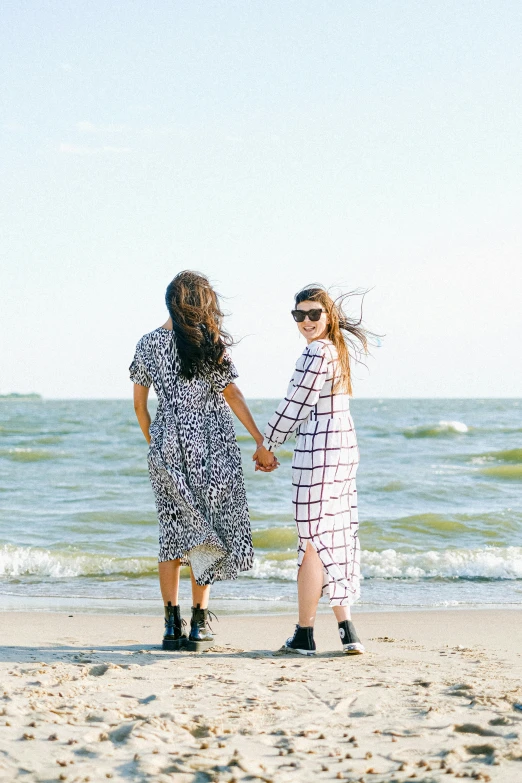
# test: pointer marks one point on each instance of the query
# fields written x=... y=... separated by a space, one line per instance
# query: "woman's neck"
x=314 y=339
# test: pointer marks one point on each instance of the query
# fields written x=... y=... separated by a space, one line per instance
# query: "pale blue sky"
x=268 y=144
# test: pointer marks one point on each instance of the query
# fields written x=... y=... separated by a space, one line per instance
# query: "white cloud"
x=158 y=130
x=78 y=149
x=75 y=149
x=234 y=138
x=91 y=127
x=88 y=127
x=116 y=150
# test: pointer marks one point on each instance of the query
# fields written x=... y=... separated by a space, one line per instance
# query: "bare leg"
x=309 y=586
x=169 y=581
x=342 y=613
x=200 y=593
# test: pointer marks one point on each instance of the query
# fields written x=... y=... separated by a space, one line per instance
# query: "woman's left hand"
x=265 y=460
x=267 y=470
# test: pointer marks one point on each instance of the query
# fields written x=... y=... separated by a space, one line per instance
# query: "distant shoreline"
x=16 y=396
x=34 y=396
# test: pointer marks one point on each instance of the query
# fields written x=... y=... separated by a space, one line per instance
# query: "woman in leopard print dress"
x=194 y=460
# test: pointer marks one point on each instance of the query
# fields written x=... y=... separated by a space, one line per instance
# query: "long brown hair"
x=197 y=323
x=345 y=332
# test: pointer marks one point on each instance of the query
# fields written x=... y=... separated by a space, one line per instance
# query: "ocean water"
x=440 y=503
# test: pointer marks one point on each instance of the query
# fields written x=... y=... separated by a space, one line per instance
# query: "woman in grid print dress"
x=324 y=466
x=194 y=460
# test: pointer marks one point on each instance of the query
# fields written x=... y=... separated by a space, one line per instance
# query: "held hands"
x=265 y=460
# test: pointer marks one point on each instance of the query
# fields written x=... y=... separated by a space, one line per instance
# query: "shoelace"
x=211 y=615
x=183 y=622
x=291 y=639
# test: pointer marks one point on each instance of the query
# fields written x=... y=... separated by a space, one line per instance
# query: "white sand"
x=92 y=697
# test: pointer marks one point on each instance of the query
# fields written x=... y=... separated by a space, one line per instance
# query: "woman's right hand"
x=264 y=459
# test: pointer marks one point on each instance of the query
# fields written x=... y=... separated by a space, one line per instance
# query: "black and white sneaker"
x=301 y=642
x=349 y=639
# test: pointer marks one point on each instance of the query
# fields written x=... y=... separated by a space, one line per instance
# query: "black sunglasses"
x=300 y=315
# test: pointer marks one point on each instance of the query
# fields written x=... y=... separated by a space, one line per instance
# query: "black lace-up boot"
x=301 y=642
x=349 y=639
x=173 y=638
x=201 y=636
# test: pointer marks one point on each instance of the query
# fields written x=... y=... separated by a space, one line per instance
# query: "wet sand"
x=438 y=696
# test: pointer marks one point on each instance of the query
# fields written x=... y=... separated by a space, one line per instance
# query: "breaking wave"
x=442 y=429
x=18 y=561
x=488 y=563
x=480 y=563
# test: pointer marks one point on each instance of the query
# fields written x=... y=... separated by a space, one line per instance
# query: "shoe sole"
x=194 y=646
x=290 y=650
x=174 y=644
x=353 y=649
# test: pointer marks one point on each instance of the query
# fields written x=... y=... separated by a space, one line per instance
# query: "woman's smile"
x=312 y=330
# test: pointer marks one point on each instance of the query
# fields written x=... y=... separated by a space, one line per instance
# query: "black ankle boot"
x=302 y=641
x=173 y=638
x=201 y=635
x=349 y=639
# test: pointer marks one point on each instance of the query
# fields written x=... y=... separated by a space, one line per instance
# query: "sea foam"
x=494 y=563
x=482 y=563
x=16 y=561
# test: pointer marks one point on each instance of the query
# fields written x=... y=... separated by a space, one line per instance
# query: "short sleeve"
x=223 y=374
x=138 y=371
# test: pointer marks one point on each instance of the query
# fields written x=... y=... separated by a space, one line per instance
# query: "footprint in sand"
x=502 y=721
x=481 y=750
x=121 y=733
x=98 y=670
x=474 y=728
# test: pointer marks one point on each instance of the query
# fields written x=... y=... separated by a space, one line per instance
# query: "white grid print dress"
x=325 y=462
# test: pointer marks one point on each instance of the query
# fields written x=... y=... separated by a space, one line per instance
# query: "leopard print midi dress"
x=194 y=463
x=325 y=461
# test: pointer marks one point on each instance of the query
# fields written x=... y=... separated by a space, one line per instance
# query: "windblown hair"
x=197 y=323
x=346 y=333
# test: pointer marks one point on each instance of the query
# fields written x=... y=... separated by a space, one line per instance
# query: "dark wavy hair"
x=345 y=332
x=197 y=323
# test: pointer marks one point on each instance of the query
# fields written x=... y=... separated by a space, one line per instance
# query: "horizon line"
x=14 y=396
